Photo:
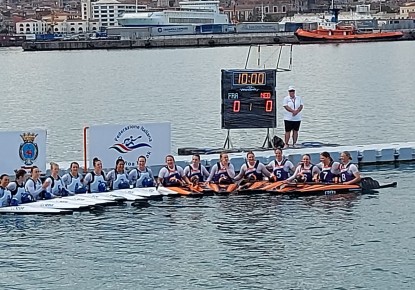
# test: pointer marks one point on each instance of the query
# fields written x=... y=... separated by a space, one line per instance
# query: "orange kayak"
x=223 y=189
x=186 y=191
x=303 y=189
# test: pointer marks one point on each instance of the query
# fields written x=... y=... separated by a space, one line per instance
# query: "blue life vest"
x=345 y=173
x=195 y=172
x=279 y=171
x=308 y=173
x=252 y=171
x=326 y=175
x=221 y=174
x=173 y=179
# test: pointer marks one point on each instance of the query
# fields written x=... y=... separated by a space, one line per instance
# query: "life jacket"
x=326 y=175
x=97 y=183
x=75 y=184
x=5 y=197
x=173 y=179
x=345 y=173
x=57 y=187
x=143 y=178
x=36 y=184
x=308 y=173
x=17 y=192
x=195 y=172
x=253 y=171
x=279 y=171
x=220 y=174
x=120 y=181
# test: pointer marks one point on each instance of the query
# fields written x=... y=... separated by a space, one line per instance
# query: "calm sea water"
x=354 y=94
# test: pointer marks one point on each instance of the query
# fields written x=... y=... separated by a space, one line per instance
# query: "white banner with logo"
x=110 y=142
x=22 y=149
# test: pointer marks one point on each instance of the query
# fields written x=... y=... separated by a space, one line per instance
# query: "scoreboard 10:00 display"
x=248 y=98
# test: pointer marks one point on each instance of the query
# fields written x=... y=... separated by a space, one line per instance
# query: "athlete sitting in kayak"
x=281 y=167
x=223 y=171
x=34 y=186
x=73 y=180
x=252 y=169
x=118 y=178
x=142 y=176
x=195 y=172
x=56 y=185
x=5 y=194
x=305 y=171
x=16 y=187
x=95 y=180
x=171 y=174
x=329 y=169
x=349 y=174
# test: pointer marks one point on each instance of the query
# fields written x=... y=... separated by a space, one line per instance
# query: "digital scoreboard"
x=248 y=98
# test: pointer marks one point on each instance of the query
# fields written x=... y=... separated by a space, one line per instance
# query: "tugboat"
x=332 y=31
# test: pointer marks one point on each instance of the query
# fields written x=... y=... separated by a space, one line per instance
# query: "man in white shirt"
x=293 y=105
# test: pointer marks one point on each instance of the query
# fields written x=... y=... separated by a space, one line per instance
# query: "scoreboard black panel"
x=249 y=99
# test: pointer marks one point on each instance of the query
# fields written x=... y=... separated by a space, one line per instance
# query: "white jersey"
x=72 y=183
x=118 y=180
x=5 y=197
x=34 y=187
x=95 y=183
x=56 y=185
x=16 y=190
x=137 y=176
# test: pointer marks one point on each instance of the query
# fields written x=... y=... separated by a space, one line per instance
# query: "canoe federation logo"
x=28 y=150
x=132 y=138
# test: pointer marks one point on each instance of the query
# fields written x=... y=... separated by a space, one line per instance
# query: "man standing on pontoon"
x=293 y=105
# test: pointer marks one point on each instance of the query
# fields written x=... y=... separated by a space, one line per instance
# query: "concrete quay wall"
x=159 y=42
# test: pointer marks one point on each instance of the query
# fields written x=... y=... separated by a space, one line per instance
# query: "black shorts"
x=292 y=125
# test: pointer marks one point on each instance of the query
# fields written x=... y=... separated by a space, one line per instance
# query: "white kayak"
x=25 y=209
x=147 y=192
x=59 y=203
x=93 y=201
x=167 y=191
x=120 y=193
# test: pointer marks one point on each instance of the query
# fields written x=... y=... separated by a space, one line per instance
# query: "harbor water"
x=353 y=94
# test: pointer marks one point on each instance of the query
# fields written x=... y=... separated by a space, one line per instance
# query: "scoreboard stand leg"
x=228 y=143
x=267 y=141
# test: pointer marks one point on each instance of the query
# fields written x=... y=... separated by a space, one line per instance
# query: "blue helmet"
x=14 y=202
x=102 y=187
x=27 y=197
x=123 y=185
x=148 y=182
x=80 y=189
x=64 y=192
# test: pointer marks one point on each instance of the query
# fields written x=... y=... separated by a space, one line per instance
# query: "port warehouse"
x=247 y=27
x=251 y=27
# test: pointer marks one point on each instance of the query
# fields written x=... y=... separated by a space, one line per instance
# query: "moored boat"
x=332 y=31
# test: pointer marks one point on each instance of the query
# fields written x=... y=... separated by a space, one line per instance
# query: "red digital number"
x=265 y=95
x=236 y=106
x=268 y=106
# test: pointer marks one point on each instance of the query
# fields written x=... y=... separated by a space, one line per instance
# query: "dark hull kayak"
x=310 y=189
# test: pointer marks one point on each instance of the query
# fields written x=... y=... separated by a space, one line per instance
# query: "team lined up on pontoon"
x=27 y=189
